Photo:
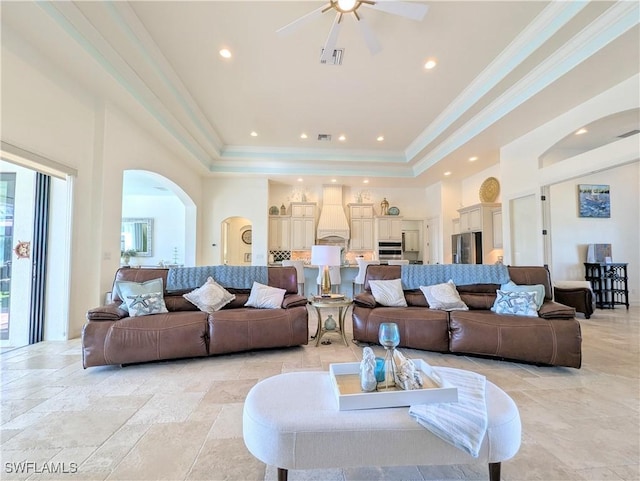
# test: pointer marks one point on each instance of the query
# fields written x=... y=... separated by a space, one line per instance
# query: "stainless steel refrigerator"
x=467 y=248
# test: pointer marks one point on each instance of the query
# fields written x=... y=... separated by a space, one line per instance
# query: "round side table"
x=342 y=304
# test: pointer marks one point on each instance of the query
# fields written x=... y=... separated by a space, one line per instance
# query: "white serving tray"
x=345 y=379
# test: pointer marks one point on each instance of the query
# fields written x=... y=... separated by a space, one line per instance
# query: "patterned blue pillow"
x=146 y=304
x=516 y=303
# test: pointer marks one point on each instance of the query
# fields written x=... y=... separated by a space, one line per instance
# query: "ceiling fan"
x=413 y=11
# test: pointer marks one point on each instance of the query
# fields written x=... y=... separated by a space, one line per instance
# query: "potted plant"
x=126 y=255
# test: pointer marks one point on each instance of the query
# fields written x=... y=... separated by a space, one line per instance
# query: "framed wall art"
x=594 y=200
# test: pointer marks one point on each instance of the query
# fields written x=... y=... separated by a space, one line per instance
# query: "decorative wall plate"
x=394 y=211
x=23 y=249
x=273 y=210
x=489 y=190
x=246 y=236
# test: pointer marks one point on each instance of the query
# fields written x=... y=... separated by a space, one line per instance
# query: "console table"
x=609 y=284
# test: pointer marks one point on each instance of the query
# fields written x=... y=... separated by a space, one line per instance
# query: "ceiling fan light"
x=346 y=6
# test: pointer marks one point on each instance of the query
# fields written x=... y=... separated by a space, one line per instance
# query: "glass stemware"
x=389 y=338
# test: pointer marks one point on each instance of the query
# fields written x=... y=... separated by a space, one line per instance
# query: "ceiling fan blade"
x=414 y=11
x=369 y=37
x=287 y=29
x=332 y=39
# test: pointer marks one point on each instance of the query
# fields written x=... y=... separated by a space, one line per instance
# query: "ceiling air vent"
x=324 y=137
x=336 y=57
x=629 y=134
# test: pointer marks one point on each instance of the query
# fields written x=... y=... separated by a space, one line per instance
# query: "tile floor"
x=181 y=420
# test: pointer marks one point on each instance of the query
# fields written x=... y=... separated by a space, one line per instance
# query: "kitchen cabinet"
x=389 y=228
x=496 y=222
x=471 y=219
x=279 y=233
x=411 y=241
x=480 y=218
x=361 y=226
x=303 y=209
x=303 y=233
x=303 y=225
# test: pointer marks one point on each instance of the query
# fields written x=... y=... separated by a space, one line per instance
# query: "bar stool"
x=362 y=270
x=299 y=265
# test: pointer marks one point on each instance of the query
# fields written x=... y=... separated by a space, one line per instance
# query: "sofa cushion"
x=265 y=297
x=516 y=303
x=210 y=297
x=388 y=293
x=444 y=296
x=537 y=288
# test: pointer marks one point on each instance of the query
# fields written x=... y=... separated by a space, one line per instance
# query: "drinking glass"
x=389 y=338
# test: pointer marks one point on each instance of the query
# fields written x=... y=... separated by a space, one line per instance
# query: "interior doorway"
x=236 y=241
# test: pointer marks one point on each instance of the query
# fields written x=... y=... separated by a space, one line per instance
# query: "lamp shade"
x=325 y=255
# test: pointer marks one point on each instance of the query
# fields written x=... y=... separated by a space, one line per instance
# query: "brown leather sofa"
x=552 y=338
x=110 y=336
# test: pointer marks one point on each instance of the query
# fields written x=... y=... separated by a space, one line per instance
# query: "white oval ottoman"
x=292 y=421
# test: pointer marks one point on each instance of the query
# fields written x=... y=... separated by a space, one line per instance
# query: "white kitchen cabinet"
x=303 y=209
x=411 y=241
x=361 y=226
x=471 y=219
x=389 y=228
x=480 y=218
x=497 y=228
x=279 y=233
x=303 y=225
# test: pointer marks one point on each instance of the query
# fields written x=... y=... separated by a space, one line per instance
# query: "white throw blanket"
x=463 y=424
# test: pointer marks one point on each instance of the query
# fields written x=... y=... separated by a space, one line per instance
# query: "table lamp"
x=323 y=257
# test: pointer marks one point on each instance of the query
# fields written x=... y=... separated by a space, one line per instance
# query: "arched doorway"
x=153 y=200
x=236 y=241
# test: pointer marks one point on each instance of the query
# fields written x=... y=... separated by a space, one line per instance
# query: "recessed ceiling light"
x=303 y=136
x=447 y=173
x=473 y=159
x=225 y=53
x=581 y=131
x=300 y=179
x=429 y=64
x=365 y=181
x=380 y=138
x=253 y=133
x=342 y=138
x=334 y=180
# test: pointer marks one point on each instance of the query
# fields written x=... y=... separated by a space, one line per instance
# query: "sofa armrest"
x=110 y=312
x=365 y=299
x=294 y=300
x=555 y=310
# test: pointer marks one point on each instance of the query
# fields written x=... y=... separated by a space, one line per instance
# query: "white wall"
x=168 y=216
x=522 y=174
x=571 y=234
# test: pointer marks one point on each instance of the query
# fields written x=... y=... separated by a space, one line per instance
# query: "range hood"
x=333 y=221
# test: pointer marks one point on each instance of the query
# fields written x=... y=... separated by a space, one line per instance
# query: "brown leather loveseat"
x=551 y=338
x=110 y=336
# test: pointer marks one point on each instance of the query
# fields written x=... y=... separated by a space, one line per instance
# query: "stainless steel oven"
x=389 y=250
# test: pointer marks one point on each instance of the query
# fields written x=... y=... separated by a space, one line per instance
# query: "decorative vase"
x=125 y=260
x=384 y=207
x=283 y=210
x=330 y=323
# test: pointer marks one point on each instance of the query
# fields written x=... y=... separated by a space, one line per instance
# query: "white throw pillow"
x=388 y=293
x=444 y=296
x=265 y=297
x=537 y=288
x=209 y=297
x=516 y=303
